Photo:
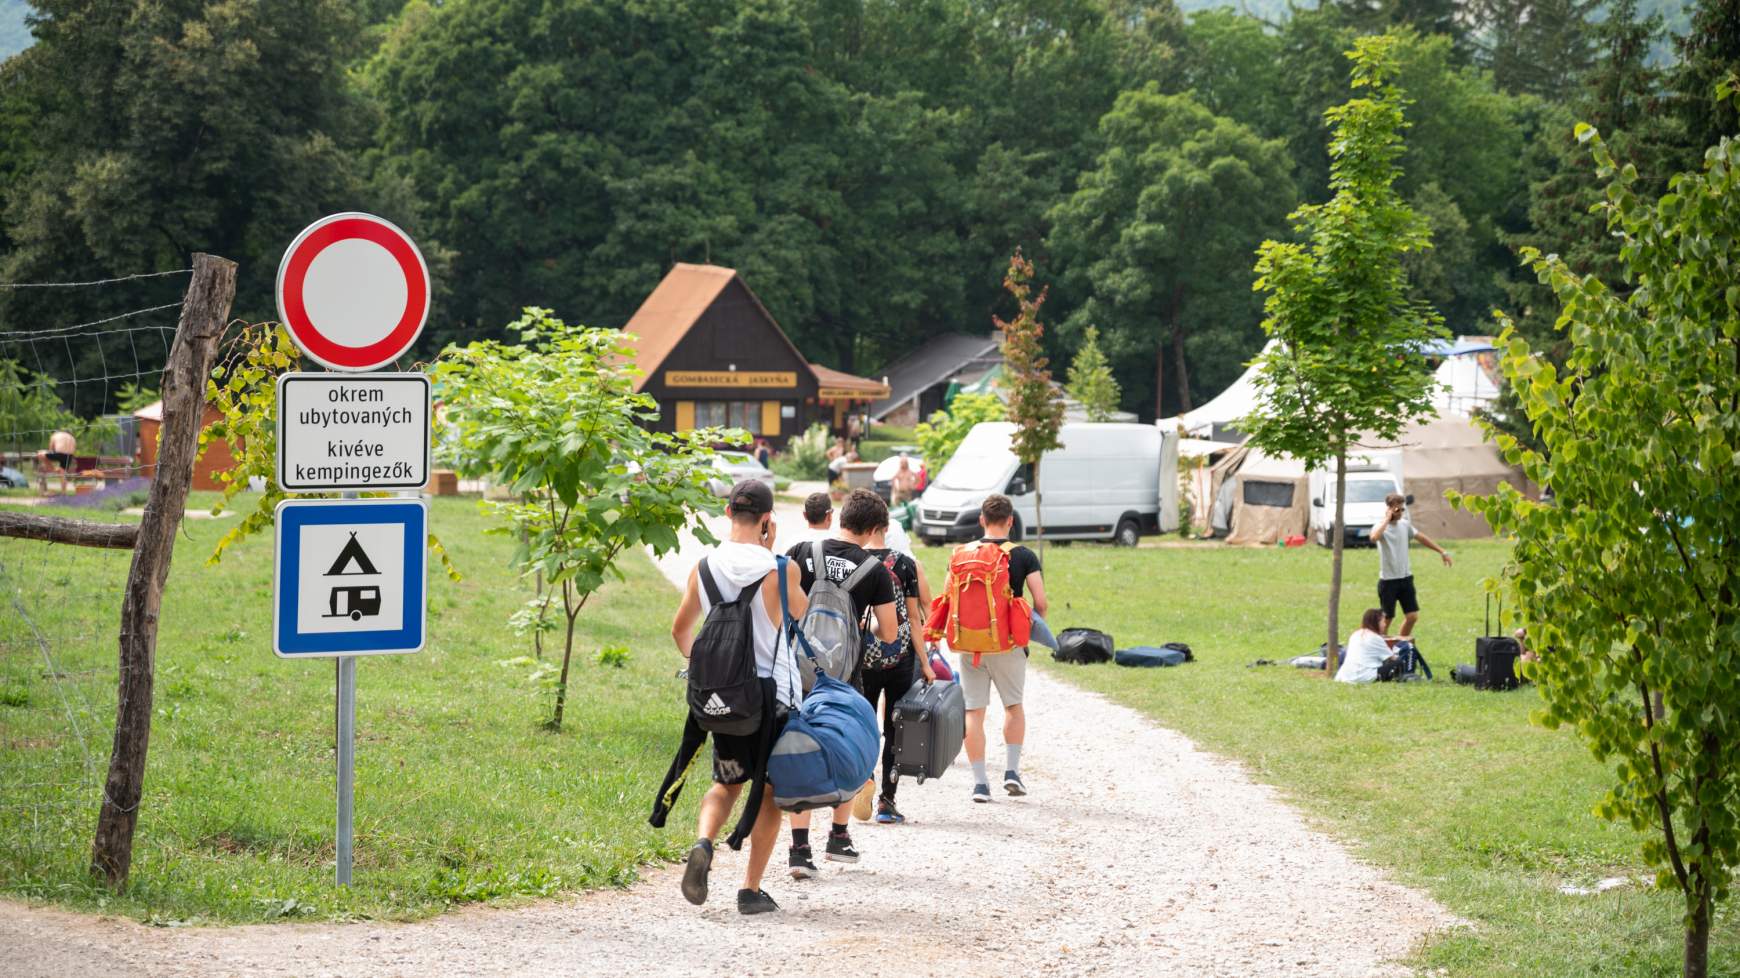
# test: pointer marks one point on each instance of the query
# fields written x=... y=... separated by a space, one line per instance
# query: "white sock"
x=1014 y=757
x=979 y=776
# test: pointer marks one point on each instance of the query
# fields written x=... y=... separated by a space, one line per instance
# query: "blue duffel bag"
x=1147 y=656
x=829 y=746
x=827 y=750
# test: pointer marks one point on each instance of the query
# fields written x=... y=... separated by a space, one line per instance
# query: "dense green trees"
x=869 y=164
x=1160 y=232
x=156 y=129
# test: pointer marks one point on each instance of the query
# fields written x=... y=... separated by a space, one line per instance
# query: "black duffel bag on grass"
x=1086 y=646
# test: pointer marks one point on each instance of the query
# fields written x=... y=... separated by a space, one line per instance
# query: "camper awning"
x=838 y=386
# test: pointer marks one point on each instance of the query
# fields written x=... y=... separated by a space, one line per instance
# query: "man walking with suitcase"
x=1395 y=578
x=1007 y=671
x=890 y=668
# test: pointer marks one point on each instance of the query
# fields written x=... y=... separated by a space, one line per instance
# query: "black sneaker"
x=802 y=868
x=695 y=873
x=982 y=793
x=1012 y=784
x=840 y=848
x=755 y=901
x=887 y=814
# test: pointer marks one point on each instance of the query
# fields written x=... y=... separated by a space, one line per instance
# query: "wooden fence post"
x=204 y=314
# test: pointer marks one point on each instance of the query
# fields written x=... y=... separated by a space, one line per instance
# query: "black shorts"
x=735 y=757
x=61 y=459
x=1399 y=590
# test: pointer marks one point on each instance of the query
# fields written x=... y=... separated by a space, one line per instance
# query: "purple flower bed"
x=112 y=496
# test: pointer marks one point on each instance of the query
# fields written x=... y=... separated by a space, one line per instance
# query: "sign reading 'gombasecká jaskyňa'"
x=768 y=379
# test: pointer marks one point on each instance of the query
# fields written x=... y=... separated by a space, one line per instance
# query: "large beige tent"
x=1450 y=452
x=1260 y=498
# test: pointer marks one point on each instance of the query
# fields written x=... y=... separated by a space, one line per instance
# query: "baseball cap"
x=750 y=496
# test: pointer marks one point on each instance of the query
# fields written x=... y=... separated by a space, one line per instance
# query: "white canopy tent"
x=1227 y=407
x=1464 y=386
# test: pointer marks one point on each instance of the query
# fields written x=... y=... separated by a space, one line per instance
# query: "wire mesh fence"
x=76 y=423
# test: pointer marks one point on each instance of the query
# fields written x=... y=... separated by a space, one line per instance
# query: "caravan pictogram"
x=353 y=601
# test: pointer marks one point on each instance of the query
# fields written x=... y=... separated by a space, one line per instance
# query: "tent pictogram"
x=352 y=553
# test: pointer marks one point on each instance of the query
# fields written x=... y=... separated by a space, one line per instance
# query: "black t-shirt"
x=906 y=573
x=875 y=588
x=1022 y=562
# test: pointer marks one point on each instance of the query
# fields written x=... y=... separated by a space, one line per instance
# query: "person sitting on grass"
x=1367 y=648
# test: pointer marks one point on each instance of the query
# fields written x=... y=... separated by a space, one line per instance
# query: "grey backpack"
x=829 y=626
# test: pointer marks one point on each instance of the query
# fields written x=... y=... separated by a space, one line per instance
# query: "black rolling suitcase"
x=1495 y=655
x=930 y=725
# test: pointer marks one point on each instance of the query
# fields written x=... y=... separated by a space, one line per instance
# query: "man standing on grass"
x=1007 y=671
x=1395 y=577
x=872 y=596
x=745 y=560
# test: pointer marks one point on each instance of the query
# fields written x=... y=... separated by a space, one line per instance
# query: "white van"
x=1108 y=482
x=1369 y=479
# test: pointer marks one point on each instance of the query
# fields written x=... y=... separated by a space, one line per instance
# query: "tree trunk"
x=204 y=314
x=1697 y=960
x=567 y=655
x=543 y=612
x=1340 y=531
x=1160 y=377
x=1183 y=371
x=1038 y=513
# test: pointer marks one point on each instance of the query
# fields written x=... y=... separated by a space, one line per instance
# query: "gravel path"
x=1135 y=854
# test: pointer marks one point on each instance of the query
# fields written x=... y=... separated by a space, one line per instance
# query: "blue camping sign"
x=350 y=577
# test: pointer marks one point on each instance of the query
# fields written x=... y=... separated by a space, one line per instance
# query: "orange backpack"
x=977 y=611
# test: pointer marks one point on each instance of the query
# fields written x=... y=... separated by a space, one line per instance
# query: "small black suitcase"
x=930 y=725
x=1495 y=655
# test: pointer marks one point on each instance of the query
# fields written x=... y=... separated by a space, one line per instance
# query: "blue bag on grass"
x=829 y=746
x=1147 y=656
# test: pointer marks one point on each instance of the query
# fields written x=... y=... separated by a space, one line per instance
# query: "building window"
x=1268 y=493
x=729 y=414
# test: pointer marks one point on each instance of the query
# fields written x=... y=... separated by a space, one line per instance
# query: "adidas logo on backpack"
x=715 y=706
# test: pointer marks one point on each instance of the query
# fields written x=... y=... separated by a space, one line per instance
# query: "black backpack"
x=1086 y=646
x=725 y=694
x=880 y=656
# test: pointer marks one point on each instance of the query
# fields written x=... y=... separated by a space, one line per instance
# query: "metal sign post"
x=353 y=292
x=346 y=760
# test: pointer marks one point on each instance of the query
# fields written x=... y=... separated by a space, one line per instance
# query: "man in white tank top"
x=744 y=559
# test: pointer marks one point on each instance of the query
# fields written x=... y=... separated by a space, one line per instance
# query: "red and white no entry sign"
x=353 y=291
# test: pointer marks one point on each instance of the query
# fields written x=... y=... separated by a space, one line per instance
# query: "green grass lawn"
x=460 y=795
x=1452 y=790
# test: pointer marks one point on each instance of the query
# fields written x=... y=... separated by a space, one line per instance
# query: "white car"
x=734 y=467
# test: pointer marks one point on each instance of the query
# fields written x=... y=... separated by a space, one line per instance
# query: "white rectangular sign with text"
x=353 y=431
